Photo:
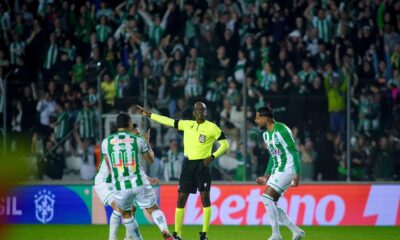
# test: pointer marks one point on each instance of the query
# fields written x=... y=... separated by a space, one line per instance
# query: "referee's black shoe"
x=203 y=236
x=176 y=237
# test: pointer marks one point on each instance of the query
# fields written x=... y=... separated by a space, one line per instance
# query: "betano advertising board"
x=368 y=205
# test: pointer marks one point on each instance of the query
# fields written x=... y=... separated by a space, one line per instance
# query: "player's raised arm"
x=158 y=118
x=147 y=151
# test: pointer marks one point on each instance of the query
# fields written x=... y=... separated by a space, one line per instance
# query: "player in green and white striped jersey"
x=123 y=152
x=282 y=172
x=104 y=188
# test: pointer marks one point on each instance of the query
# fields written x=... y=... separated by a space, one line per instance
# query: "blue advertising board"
x=47 y=205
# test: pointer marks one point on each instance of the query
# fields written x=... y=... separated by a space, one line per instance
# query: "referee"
x=198 y=138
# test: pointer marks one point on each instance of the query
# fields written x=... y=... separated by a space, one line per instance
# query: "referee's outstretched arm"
x=158 y=118
x=180 y=125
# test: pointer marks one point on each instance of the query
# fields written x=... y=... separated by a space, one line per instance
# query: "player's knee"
x=267 y=200
x=270 y=191
x=152 y=208
x=182 y=198
x=205 y=200
x=181 y=203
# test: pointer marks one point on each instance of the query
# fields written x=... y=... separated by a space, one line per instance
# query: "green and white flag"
x=62 y=125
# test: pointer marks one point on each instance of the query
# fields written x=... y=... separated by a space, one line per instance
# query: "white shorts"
x=143 y=195
x=105 y=191
x=280 y=182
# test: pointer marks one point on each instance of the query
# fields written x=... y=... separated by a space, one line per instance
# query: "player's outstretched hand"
x=208 y=160
x=154 y=181
x=142 y=111
x=261 y=180
x=295 y=181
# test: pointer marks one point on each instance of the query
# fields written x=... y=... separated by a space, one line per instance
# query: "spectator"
x=361 y=160
x=19 y=125
x=382 y=161
x=86 y=155
x=121 y=81
x=307 y=74
x=86 y=121
x=156 y=27
x=54 y=161
x=336 y=92
x=46 y=107
x=309 y=157
x=109 y=89
x=61 y=126
x=172 y=162
x=266 y=77
x=51 y=55
x=78 y=71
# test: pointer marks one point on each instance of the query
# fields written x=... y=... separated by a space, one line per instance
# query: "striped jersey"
x=285 y=157
x=122 y=152
x=265 y=79
x=51 y=56
x=324 y=27
x=87 y=123
x=17 y=49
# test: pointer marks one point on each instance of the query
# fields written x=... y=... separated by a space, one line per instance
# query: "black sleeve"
x=176 y=123
x=222 y=136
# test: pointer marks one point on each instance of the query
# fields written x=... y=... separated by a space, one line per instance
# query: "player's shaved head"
x=200 y=111
x=124 y=120
x=198 y=104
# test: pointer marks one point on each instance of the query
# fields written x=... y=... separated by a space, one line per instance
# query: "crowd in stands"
x=306 y=59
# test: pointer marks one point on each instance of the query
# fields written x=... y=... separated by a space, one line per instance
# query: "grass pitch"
x=151 y=232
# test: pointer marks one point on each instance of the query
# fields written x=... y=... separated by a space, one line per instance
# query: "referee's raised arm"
x=158 y=118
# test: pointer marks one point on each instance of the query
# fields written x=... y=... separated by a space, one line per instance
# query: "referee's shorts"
x=194 y=176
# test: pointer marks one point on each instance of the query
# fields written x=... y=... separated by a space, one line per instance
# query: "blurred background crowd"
x=329 y=69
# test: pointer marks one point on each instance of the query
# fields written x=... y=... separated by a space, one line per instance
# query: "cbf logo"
x=202 y=138
x=44 y=204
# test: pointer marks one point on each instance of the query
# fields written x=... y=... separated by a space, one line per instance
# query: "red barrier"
x=307 y=205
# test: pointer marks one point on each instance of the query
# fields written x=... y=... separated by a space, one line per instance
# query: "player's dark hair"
x=123 y=120
x=265 y=112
